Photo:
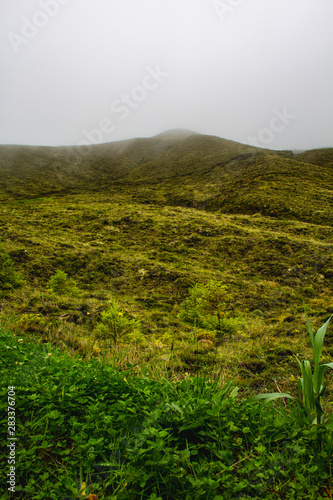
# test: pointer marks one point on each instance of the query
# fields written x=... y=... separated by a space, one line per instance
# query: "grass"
x=141 y=280
x=147 y=258
x=310 y=385
x=132 y=437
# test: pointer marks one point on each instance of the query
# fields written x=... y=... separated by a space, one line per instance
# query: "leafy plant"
x=310 y=384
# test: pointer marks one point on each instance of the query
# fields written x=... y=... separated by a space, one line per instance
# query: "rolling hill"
x=179 y=168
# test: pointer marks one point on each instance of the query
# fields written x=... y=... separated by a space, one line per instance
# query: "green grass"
x=147 y=258
x=131 y=437
x=178 y=264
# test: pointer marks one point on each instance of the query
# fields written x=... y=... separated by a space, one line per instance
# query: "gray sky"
x=86 y=71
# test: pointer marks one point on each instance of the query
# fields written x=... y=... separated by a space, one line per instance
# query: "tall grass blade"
x=318 y=343
x=271 y=396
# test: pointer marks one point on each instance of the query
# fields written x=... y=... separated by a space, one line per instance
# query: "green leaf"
x=319 y=375
x=318 y=342
x=307 y=386
x=328 y=365
x=271 y=396
x=54 y=414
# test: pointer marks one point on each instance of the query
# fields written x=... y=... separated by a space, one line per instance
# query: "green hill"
x=188 y=169
x=129 y=266
x=142 y=222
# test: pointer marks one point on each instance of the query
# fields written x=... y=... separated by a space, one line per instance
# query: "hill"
x=179 y=169
x=137 y=280
x=148 y=223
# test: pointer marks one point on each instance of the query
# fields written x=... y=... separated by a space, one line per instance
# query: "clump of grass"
x=30 y=323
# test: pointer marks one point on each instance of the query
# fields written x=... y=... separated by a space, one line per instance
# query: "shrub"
x=9 y=278
x=60 y=283
x=117 y=327
x=204 y=306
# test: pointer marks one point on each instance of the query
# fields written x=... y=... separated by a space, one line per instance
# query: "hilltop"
x=179 y=168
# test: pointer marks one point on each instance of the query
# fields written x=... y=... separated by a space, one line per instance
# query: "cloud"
x=227 y=73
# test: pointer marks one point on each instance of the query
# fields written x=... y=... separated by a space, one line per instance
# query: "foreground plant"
x=310 y=385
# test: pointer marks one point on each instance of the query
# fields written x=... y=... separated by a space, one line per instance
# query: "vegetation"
x=311 y=383
x=87 y=428
x=136 y=282
x=9 y=278
x=117 y=327
x=61 y=284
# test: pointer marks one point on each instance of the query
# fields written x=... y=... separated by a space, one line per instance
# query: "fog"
x=89 y=71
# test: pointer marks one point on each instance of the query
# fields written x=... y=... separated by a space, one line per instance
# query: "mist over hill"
x=181 y=168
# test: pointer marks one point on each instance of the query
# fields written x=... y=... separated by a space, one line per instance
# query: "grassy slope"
x=140 y=222
x=195 y=171
x=125 y=223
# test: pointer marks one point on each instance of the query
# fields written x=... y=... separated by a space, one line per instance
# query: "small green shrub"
x=231 y=326
x=30 y=323
x=9 y=278
x=60 y=283
x=115 y=326
x=204 y=307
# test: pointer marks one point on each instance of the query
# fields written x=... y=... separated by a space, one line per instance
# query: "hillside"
x=139 y=281
x=143 y=222
x=179 y=169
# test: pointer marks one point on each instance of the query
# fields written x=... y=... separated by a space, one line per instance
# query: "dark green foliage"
x=133 y=438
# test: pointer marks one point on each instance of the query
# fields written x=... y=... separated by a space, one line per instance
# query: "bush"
x=117 y=327
x=60 y=283
x=204 y=306
x=9 y=278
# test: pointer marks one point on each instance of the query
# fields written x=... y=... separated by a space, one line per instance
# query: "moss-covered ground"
x=146 y=257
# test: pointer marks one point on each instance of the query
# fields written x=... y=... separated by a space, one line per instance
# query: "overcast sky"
x=86 y=71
